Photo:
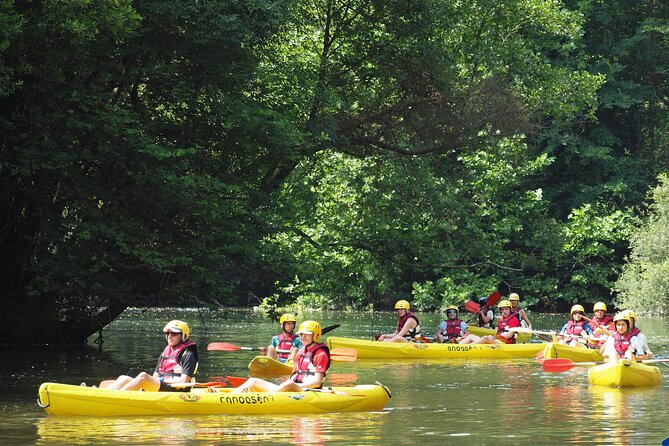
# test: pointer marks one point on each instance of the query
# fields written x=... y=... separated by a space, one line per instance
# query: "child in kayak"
x=284 y=346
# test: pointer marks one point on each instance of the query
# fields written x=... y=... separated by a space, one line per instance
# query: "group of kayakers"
x=178 y=362
x=615 y=337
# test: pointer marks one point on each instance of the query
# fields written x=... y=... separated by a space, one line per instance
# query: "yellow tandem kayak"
x=577 y=354
x=397 y=350
x=64 y=399
x=624 y=373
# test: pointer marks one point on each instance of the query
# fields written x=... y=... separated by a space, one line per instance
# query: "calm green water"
x=463 y=403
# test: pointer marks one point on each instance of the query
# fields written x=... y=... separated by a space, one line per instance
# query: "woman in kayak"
x=517 y=311
x=573 y=332
x=622 y=343
x=509 y=320
x=408 y=325
x=284 y=346
x=177 y=364
x=309 y=370
x=453 y=329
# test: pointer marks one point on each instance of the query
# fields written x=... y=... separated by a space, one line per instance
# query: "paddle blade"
x=344 y=354
x=558 y=365
x=223 y=346
x=472 y=306
x=495 y=297
x=329 y=328
x=236 y=381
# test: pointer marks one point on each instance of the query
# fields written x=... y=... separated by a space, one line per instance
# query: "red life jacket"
x=606 y=320
x=170 y=358
x=414 y=331
x=635 y=331
x=622 y=342
x=304 y=361
x=501 y=328
x=575 y=328
x=453 y=329
x=285 y=343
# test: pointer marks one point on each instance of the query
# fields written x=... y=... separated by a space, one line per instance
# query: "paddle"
x=231 y=347
x=564 y=364
x=474 y=307
x=531 y=331
x=336 y=354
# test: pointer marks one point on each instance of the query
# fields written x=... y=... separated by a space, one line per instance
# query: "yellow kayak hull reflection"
x=624 y=373
x=64 y=399
x=399 y=350
x=576 y=354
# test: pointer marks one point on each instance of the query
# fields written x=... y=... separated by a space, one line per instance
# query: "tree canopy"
x=334 y=152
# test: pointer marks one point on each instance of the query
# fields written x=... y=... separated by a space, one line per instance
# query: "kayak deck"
x=408 y=350
x=577 y=354
x=64 y=399
x=624 y=373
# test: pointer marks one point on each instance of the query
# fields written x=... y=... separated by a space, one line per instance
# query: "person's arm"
x=523 y=314
x=513 y=322
x=487 y=316
x=408 y=325
x=440 y=333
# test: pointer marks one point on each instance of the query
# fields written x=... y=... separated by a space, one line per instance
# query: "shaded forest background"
x=334 y=153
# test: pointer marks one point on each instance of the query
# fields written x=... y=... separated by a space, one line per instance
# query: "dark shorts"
x=167 y=388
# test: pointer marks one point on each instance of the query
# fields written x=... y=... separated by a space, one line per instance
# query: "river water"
x=446 y=402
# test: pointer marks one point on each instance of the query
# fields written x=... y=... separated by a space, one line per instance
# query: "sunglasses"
x=451 y=312
x=172 y=333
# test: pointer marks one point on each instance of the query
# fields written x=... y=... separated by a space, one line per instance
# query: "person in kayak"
x=622 y=343
x=177 y=364
x=643 y=351
x=573 y=332
x=601 y=317
x=408 y=325
x=313 y=361
x=486 y=314
x=508 y=320
x=517 y=311
x=453 y=329
x=284 y=346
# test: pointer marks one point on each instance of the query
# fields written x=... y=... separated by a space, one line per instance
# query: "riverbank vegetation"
x=339 y=153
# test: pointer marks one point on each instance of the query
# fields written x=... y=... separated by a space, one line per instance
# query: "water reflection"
x=303 y=430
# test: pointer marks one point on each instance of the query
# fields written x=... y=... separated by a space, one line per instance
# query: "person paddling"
x=601 y=318
x=313 y=361
x=622 y=343
x=573 y=331
x=453 y=329
x=177 y=364
x=486 y=314
x=643 y=351
x=518 y=311
x=284 y=346
x=408 y=325
x=508 y=320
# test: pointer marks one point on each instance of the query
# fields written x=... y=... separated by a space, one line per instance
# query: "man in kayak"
x=622 y=343
x=508 y=320
x=601 y=317
x=573 y=332
x=313 y=361
x=408 y=325
x=643 y=351
x=284 y=346
x=177 y=364
x=453 y=329
x=517 y=311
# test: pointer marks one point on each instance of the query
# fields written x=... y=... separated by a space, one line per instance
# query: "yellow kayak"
x=64 y=399
x=576 y=354
x=482 y=331
x=265 y=366
x=396 y=350
x=624 y=373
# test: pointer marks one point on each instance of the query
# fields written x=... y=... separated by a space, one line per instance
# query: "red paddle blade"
x=495 y=297
x=344 y=354
x=236 y=381
x=558 y=365
x=472 y=306
x=223 y=346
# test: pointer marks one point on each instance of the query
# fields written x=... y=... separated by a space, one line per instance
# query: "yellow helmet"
x=577 y=307
x=599 y=306
x=288 y=317
x=623 y=316
x=311 y=327
x=402 y=305
x=514 y=296
x=504 y=303
x=630 y=314
x=178 y=326
x=453 y=307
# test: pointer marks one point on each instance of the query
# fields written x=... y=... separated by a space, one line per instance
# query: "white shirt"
x=609 y=350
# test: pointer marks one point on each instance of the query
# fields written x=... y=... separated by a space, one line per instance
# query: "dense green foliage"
x=342 y=153
x=644 y=282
